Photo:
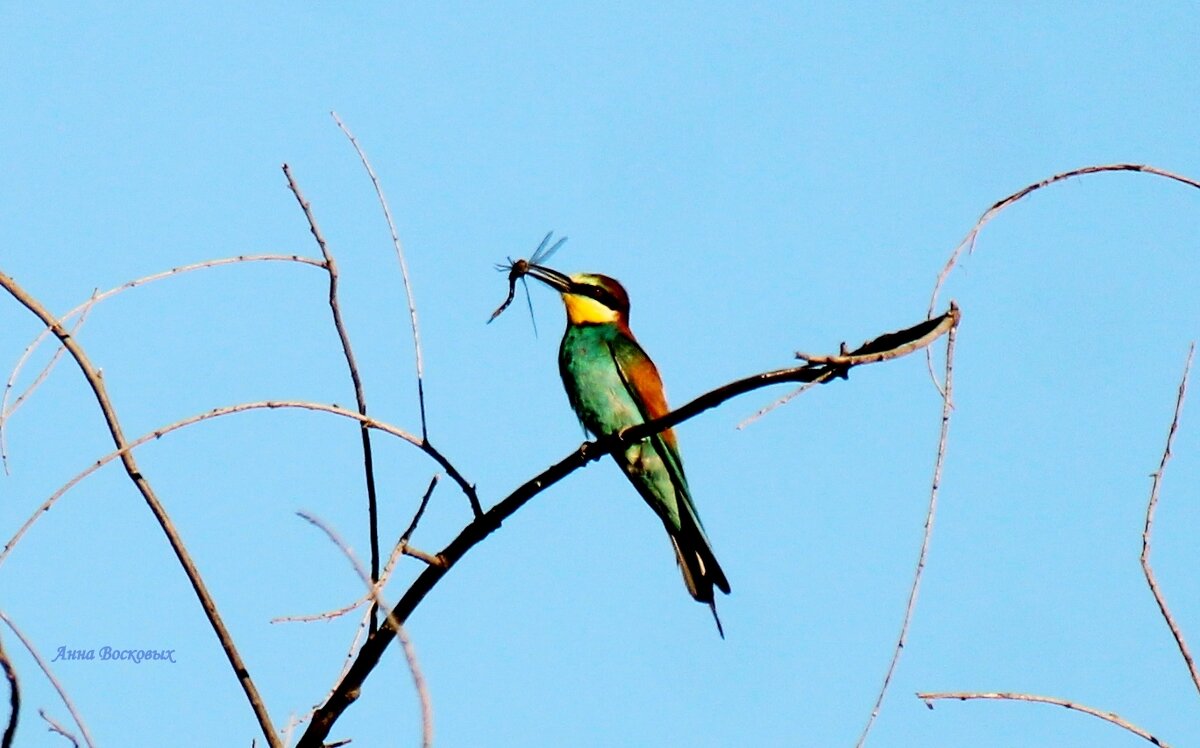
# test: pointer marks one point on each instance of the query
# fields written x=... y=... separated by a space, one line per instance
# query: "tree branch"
x=207 y=415
x=160 y=514
x=408 y=292
x=968 y=242
x=360 y=396
x=372 y=651
x=409 y=652
x=928 y=698
x=926 y=537
x=84 y=308
x=1149 y=527
x=45 y=666
x=14 y=698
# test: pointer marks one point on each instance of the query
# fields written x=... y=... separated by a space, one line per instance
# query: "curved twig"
x=1110 y=717
x=53 y=726
x=398 y=550
x=409 y=652
x=152 y=501
x=45 y=666
x=350 y=687
x=968 y=242
x=408 y=292
x=6 y=411
x=83 y=309
x=1149 y=527
x=214 y=413
x=939 y=461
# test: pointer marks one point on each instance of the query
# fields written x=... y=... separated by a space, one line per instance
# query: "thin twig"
x=45 y=666
x=409 y=653
x=152 y=501
x=214 y=413
x=360 y=396
x=412 y=526
x=83 y=309
x=892 y=345
x=53 y=726
x=428 y=558
x=1111 y=717
x=6 y=411
x=931 y=512
x=359 y=632
x=398 y=550
x=408 y=292
x=1150 y=507
x=349 y=689
x=968 y=242
x=14 y=697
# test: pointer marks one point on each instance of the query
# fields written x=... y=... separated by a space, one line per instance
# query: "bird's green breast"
x=593 y=382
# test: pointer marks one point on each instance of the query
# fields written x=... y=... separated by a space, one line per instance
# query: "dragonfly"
x=518 y=268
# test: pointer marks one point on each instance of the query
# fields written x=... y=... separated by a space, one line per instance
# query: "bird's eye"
x=603 y=296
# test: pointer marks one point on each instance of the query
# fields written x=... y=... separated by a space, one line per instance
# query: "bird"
x=612 y=385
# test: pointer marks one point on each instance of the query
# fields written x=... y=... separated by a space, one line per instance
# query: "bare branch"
x=14 y=698
x=83 y=309
x=1150 y=507
x=939 y=461
x=360 y=396
x=889 y=346
x=368 y=657
x=408 y=292
x=6 y=411
x=409 y=653
x=160 y=514
x=214 y=413
x=412 y=526
x=45 y=666
x=928 y=698
x=53 y=726
x=428 y=558
x=398 y=550
x=968 y=242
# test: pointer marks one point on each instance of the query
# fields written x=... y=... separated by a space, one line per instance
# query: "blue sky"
x=762 y=179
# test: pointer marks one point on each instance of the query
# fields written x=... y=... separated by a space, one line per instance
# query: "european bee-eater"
x=612 y=384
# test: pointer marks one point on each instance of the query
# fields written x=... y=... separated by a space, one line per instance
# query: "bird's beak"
x=556 y=280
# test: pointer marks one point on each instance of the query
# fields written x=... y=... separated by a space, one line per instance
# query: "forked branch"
x=1151 y=580
x=156 y=507
x=372 y=651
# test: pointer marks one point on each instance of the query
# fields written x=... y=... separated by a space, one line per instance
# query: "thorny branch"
x=372 y=651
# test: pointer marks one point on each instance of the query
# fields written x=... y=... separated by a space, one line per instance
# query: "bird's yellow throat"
x=584 y=310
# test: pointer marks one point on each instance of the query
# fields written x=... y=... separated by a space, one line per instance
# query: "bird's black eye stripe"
x=599 y=294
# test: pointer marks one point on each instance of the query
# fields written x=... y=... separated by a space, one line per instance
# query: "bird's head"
x=589 y=298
